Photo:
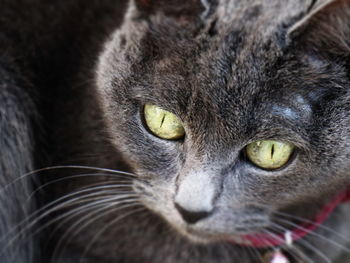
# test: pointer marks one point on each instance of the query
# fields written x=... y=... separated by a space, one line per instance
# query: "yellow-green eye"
x=162 y=123
x=269 y=154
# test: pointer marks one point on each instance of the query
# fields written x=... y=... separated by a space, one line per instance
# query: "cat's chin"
x=233 y=239
x=200 y=237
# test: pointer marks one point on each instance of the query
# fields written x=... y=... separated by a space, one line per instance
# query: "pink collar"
x=265 y=240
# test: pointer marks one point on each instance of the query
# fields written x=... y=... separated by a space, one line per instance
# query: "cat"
x=175 y=131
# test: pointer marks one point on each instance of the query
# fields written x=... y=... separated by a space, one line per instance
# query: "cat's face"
x=234 y=73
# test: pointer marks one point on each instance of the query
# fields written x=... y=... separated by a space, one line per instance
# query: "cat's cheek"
x=158 y=197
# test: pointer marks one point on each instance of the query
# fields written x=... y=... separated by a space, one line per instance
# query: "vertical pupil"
x=272 y=150
x=163 y=119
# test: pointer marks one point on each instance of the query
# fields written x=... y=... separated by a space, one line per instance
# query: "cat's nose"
x=195 y=197
x=191 y=217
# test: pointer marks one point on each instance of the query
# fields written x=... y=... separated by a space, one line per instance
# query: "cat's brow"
x=298 y=109
x=292 y=114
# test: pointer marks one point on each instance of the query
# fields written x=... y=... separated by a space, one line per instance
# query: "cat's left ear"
x=326 y=24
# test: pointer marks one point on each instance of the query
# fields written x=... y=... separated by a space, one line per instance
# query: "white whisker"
x=294 y=251
x=108 y=225
x=314 y=234
x=131 y=175
x=38 y=189
x=125 y=204
x=347 y=239
x=71 y=214
x=36 y=216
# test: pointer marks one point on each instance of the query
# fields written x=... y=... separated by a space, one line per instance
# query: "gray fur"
x=234 y=71
x=16 y=144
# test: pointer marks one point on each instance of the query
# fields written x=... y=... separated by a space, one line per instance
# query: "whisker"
x=56 y=220
x=314 y=234
x=38 y=189
x=84 y=208
x=314 y=249
x=89 y=205
x=35 y=218
x=83 y=167
x=67 y=233
x=255 y=253
x=345 y=238
x=107 y=226
x=295 y=251
x=310 y=246
x=134 y=176
x=57 y=201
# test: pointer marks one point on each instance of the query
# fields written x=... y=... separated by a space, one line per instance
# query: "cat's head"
x=258 y=96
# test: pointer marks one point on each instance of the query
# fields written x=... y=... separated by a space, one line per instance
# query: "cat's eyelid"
x=282 y=135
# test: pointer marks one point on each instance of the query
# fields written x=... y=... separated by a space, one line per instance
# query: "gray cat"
x=191 y=131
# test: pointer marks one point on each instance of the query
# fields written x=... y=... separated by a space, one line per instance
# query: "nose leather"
x=191 y=217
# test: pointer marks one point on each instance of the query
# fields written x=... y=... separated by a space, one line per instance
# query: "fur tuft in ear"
x=326 y=26
x=316 y=6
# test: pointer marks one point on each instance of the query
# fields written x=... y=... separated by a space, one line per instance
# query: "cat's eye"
x=162 y=123
x=269 y=154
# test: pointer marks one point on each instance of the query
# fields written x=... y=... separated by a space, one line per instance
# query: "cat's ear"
x=326 y=24
x=182 y=12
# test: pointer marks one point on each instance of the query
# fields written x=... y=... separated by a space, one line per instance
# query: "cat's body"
x=261 y=69
x=44 y=45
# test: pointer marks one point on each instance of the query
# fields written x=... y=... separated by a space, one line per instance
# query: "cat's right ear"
x=317 y=7
x=326 y=26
